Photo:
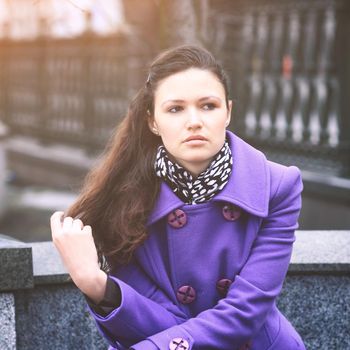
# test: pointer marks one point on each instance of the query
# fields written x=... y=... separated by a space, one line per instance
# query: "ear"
x=152 y=124
x=229 y=113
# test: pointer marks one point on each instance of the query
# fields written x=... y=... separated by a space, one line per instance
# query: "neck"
x=193 y=168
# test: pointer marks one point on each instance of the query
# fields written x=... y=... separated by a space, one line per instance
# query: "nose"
x=194 y=119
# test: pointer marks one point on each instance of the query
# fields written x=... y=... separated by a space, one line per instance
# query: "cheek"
x=170 y=128
x=218 y=124
x=167 y=132
x=169 y=138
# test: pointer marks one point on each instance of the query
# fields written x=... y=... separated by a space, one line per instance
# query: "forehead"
x=190 y=83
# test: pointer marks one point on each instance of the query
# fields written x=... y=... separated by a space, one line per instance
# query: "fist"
x=75 y=243
x=77 y=248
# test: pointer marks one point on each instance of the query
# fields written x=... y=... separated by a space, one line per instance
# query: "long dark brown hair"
x=119 y=194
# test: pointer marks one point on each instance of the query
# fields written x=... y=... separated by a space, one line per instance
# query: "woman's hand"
x=76 y=246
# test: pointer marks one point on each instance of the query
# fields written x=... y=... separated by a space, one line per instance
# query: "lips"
x=196 y=138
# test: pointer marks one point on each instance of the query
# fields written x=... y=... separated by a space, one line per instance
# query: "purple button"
x=231 y=212
x=179 y=344
x=223 y=285
x=186 y=294
x=177 y=218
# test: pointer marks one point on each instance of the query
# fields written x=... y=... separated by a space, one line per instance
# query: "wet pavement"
x=28 y=210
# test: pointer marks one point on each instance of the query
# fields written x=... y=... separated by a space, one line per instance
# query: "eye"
x=209 y=106
x=175 y=109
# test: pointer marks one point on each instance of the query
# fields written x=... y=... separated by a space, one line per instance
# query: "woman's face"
x=190 y=115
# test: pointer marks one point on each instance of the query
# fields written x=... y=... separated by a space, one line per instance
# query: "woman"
x=182 y=237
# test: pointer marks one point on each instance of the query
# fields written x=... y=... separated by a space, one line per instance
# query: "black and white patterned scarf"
x=205 y=186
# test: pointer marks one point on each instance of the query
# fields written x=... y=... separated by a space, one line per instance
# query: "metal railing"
x=292 y=78
x=67 y=90
x=289 y=64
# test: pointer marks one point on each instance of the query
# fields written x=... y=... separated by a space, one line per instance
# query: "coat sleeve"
x=237 y=317
x=144 y=310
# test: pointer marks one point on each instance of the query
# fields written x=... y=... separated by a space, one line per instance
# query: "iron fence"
x=67 y=90
x=289 y=64
x=292 y=80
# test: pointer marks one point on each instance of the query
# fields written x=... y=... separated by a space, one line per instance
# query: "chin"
x=201 y=156
x=198 y=160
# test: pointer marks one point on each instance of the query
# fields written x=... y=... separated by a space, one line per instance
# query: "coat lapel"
x=167 y=202
x=249 y=184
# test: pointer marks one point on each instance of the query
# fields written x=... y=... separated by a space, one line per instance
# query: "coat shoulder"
x=283 y=178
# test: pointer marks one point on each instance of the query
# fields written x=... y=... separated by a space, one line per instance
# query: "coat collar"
x=248 y=186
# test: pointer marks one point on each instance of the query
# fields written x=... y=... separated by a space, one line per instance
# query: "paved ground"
x=28 y=210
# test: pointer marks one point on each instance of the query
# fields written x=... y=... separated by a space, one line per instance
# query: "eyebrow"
x=200 y=100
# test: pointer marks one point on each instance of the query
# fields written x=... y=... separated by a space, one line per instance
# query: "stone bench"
x=41 y=308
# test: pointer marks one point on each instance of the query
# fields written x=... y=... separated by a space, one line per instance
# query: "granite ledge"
x=48 y=267
x=315 y=252
x=319 y=269
x=16 y=268
x=325 y=252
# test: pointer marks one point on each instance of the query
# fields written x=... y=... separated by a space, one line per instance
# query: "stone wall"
x=3 y=167
x=40 y=308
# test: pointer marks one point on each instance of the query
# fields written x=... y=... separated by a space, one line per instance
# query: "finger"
x=56 y=220
x=87 y=229
x=67 y=224
x=78 y=224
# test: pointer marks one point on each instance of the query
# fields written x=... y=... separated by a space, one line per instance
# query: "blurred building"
x=21 y=19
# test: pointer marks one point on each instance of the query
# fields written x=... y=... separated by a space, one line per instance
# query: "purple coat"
x=208 y=275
